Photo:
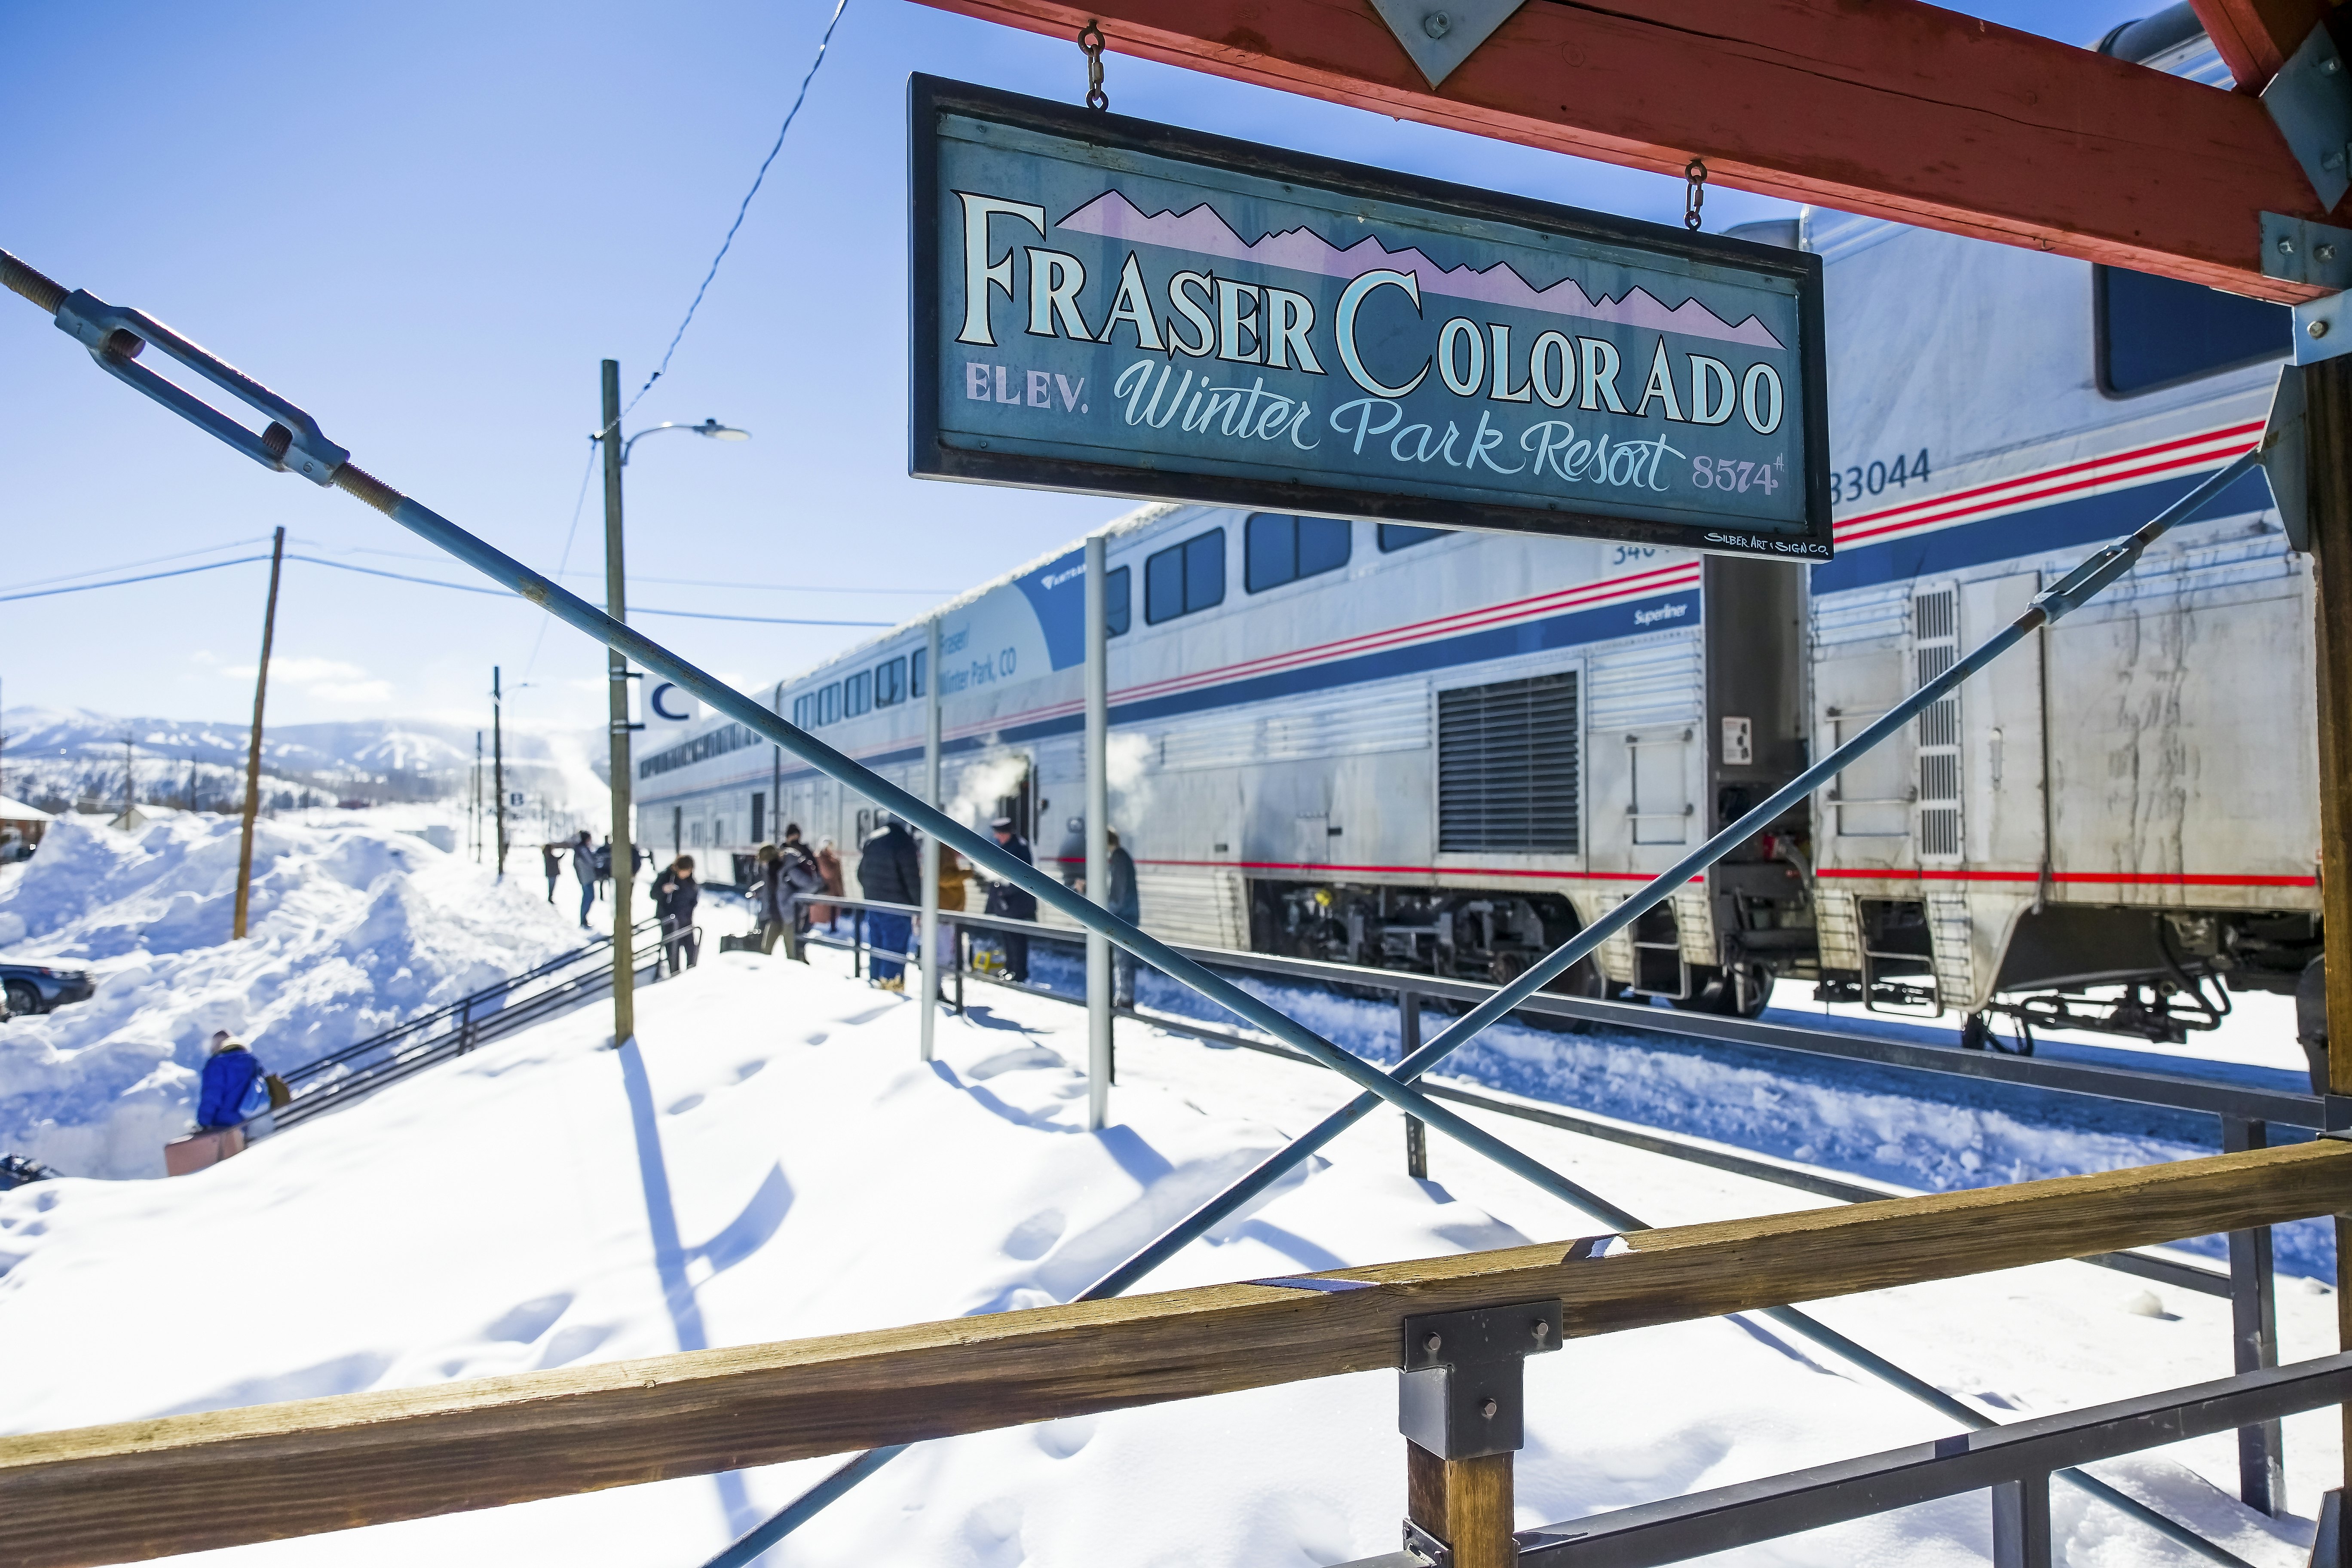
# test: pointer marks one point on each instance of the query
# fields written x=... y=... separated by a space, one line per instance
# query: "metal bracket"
x=1427 y=1547
x=1441 y=34
x=2301 y=251
x=2284 y=449
x=1462 y=1380
x=115 y=336
x=2310 y=101
x=2336 y=1110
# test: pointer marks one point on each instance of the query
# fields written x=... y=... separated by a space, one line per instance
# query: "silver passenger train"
x=1446 y=751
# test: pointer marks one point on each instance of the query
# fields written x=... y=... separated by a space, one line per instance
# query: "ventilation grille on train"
x=1935 y=649
x=1507 y=767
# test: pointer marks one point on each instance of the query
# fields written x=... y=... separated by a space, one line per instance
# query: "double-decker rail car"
x=1446 y=751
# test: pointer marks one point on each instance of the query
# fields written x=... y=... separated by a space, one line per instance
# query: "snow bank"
x=771 y=1161
x=353 y=927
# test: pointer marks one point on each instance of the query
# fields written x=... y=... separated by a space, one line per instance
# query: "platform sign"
x=1106 y=305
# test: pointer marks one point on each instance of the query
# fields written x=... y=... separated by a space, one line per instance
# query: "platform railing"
x=227 y=1477
x=343 y=1077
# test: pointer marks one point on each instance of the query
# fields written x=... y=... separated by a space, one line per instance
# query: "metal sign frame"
x=930 y=457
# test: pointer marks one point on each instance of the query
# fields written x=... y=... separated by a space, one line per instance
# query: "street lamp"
x=617 y=669
x=710 y=427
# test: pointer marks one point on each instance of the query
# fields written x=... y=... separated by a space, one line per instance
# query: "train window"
x=2154 y=332
x=1506 y=773
x=889 y=682
x=919 y=663
x=1277 y=548
x=828 y=704
x=804 y=712
x=1117 y=596
x=1185 y=578
x=857 y=694
x=1396 y=536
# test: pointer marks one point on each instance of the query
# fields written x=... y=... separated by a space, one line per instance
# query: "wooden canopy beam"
x=1894 y=108
x=2254 y=38
x=186 y=1483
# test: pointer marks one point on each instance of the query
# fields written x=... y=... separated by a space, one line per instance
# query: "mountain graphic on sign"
x=1204 y=231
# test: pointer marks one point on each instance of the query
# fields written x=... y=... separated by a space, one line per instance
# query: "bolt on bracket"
x=1462 y=1378
x=1439 y=35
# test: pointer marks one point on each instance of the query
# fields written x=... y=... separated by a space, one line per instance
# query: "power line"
x=426 y=582
x=150 y=561
x=565 y=559
x=839 y=6
x=119 y=581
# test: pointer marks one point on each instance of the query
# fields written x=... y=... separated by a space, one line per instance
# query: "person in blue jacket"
x=233 y=1082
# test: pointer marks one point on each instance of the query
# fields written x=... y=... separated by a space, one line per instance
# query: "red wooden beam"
x=1894 y=108
x=2255 y=37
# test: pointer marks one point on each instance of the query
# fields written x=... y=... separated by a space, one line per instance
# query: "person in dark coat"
x=232 y=1074
x=1123 y=902
x=583 y=866
x=1007 y=901
x=675 y=893
x=889 y=871
x=550 y=860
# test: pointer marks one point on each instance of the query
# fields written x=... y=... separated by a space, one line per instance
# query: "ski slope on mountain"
x=354 y=926
x=772 y=1161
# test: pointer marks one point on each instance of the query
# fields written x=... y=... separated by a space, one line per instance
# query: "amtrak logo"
x=666 y=702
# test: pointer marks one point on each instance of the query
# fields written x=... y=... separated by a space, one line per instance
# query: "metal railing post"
x=465 y=1025
x=962 y=963
x=932 y=849
x=2021 y=1522
x=1098 y=843
x=2253 y=1335
x=1416 y=1132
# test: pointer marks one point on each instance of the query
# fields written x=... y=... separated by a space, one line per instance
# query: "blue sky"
x=427 y=223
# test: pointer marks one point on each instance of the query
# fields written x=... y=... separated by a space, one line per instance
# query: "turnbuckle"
x=115 y=336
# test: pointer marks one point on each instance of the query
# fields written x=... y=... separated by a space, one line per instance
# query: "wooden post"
x=253 y=746
x=1465 y=1504
x=2328 y=392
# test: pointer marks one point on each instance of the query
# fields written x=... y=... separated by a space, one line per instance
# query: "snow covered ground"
x=356 y=924
x=771 y=1161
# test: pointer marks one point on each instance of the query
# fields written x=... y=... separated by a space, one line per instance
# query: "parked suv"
x=38 y=987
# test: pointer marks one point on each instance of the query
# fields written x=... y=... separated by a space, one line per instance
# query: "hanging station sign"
x=1106 y=305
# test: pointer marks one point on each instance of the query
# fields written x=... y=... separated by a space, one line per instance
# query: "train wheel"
x=1718 y=991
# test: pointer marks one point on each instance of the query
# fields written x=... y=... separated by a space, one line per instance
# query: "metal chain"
x=1695 y=197
x=1090 y=40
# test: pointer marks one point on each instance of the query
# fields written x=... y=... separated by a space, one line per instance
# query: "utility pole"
x=477 y=797
x=129 y=779
x=253 y=746
x=499 y=767
x=616 y=678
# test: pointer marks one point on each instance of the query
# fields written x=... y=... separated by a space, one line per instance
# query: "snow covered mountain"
x=58 y=758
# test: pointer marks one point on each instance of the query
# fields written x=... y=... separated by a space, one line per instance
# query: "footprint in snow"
x=683 y=1106
x=1034 y=1237
x=522 y=1325
x=1064 y=1437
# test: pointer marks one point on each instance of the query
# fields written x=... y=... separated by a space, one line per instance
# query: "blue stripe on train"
x=2092 y=520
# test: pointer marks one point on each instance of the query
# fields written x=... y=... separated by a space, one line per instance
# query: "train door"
x=2004 y=821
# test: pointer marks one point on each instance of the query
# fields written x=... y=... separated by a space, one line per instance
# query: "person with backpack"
x=675 y=896
x=234 y=1086
x=550 y=860
x=605 y=866
x=889 y=871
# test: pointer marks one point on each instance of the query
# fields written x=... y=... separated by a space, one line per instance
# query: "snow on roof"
x=17 y=811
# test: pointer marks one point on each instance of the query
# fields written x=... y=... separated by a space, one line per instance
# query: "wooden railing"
x=141 y=1489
